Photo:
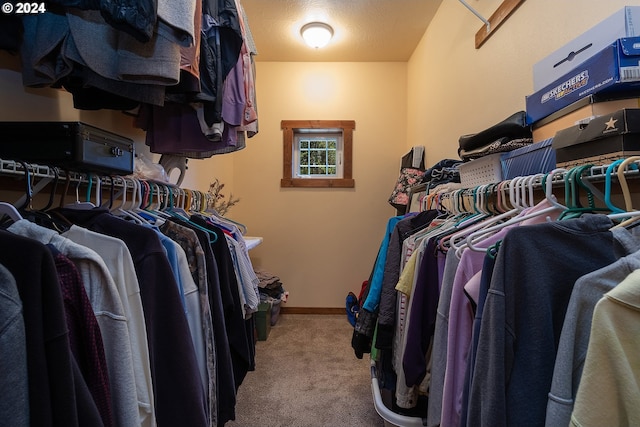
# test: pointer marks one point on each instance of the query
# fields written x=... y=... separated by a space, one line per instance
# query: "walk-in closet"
x=319 y=213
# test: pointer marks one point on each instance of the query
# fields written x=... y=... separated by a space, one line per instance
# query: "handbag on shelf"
x=411 y=172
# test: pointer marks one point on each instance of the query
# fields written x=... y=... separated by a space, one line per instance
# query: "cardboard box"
x=581 y=111
x=613 y=70
x=617 y=133
x=624 y=23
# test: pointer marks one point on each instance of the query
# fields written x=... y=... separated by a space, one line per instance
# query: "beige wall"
x=455 y=89
x=322 y=242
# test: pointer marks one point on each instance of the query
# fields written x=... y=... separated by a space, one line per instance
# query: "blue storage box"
x=612 y=70
x=536 y=158
x=623 y=23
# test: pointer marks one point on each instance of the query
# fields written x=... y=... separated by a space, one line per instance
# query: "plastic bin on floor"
x=263 y=321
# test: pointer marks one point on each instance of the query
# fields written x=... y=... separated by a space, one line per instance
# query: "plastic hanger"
x=180 y=213
x=82 y=205
x=41 y=216
x=462 y=235
x=128 y=211
x=623 y=180
x=474 y=238
x=607 y=187
x=573 y=182
x=10 y=211
x=547 y=185
x=631 y=216
x=54 y=187
x=28 y=190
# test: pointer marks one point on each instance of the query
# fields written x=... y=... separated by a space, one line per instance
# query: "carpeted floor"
x=306 y=376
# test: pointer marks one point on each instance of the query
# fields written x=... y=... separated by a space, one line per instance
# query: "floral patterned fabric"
x=408 y=177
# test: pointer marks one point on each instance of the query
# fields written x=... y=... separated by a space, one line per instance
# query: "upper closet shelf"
x=252 y=241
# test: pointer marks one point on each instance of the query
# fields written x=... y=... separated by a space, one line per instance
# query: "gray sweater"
x=572 y=350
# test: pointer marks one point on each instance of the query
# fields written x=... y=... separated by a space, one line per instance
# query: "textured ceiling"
x=364 y=30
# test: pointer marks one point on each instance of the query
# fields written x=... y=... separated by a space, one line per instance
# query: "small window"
x=317 y=153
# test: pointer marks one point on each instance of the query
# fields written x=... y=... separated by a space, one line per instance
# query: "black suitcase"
x=70 y=145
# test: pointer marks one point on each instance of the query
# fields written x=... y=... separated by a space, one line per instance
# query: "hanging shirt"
x=85 y=338
x=118 y=260
x=50 y=374
x=14 y=405
x=178 y=390
x=574 y=340
x=524 y=312
x=106 y=303
x=608 y=392
x=196 y=260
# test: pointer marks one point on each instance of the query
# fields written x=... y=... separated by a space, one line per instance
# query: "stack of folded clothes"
x=509 y=134
x=271 y=291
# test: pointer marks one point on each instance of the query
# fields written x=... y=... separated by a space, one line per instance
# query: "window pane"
x=314 y=170
x=331 y=159
x=322 y=156
x=332 y=170
x=318 y=144
x=304 y=171
x=304 y=158
x=315 y=158
x=333 y=144
x=304 y=143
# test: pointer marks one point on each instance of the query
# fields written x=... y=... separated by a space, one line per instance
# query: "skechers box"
x=607 y=137
x=623 y=23
x=613 y=70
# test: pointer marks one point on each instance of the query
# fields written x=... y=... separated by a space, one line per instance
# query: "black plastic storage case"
x=69 y=145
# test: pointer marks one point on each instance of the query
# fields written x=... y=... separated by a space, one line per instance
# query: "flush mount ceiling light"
x=316 y=34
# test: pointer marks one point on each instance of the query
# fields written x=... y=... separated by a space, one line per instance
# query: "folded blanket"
x=514 y=126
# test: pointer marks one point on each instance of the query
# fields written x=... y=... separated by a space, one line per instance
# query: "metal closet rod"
x=43 y=175
x=12 y=167
x=596 y=174
x=475 y=12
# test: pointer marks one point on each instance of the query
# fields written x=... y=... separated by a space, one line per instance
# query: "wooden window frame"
x=288 y=130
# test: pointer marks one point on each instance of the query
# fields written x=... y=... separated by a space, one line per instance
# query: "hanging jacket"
x=136 y=17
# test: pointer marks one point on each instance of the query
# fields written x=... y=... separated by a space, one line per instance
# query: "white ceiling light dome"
x=316 y=34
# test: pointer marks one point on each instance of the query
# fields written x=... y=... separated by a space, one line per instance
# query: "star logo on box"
x=611 y=125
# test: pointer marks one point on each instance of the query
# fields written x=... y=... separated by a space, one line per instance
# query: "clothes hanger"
x=547 y=185
x=98 y=190
x=122 y=192
x=622 y=180
x=477 y=236
x=28 y=190
x=574 y=180
x=127 y=211
x=9 y=210
x=607 y=187
x=462 y=234
x=41 y=216
x=86 y=205
x=181 y=214
x=155 y=209
x=632 y=216
x=25 y=210
x=54 y=187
